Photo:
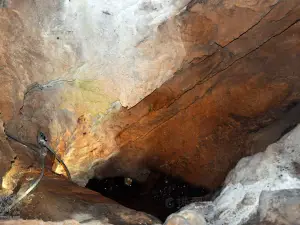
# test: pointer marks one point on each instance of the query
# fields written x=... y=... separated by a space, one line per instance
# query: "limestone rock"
x=261 y=189
x=279 y=207
x=132 y=56
x=186 y=217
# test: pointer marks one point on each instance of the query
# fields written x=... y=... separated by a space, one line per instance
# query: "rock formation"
x=121 y=88
x=261 y=189
x=232 y=81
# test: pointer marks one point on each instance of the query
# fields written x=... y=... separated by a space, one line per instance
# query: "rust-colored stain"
x=201 y=121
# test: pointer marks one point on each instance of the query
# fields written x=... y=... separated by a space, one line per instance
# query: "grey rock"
x=280 y=207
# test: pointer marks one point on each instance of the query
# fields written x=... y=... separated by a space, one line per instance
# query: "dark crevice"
x=291 y=105
x=273 y=132
x=288 y=129
x=194 y=2
x=160 y=195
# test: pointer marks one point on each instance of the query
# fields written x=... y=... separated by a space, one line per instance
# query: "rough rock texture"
x=186 y=217
x=7 y=155
x=221 y=107
x=117 y=44
x=184 y=87
x=261 y=189
x=279 y=207
x=237 y=64
x=53 y=44
x=57 y=199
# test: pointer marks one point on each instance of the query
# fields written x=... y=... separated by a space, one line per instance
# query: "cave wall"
x=87 y=58
x=218 y=109
x=221 y=106
x=187 y=88
x=108 y=42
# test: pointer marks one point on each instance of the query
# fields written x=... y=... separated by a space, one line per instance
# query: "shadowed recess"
x=160 y=195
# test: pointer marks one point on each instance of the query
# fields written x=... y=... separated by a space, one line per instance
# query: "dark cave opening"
x=160 y=195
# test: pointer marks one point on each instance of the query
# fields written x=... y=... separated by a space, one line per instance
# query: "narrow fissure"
x=160 y=195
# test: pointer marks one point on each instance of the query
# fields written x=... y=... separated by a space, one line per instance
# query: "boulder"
x=261 y=189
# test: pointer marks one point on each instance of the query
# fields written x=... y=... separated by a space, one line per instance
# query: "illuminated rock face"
x=121 y=88
x=118 y=44
x=87 y=58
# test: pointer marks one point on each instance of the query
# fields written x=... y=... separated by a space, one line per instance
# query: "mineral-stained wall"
x=119 y=88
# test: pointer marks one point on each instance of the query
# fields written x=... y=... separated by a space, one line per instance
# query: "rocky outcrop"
x=261 y=189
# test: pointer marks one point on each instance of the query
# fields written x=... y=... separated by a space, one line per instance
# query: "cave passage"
x=160 y=195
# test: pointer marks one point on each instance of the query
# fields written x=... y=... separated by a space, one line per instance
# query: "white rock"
x=272 y=170
x=186 y=217
x=115 y=41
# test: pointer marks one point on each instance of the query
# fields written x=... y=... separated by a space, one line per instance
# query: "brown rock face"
x=57 y=199
x=200 y=123
x=237 y=91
